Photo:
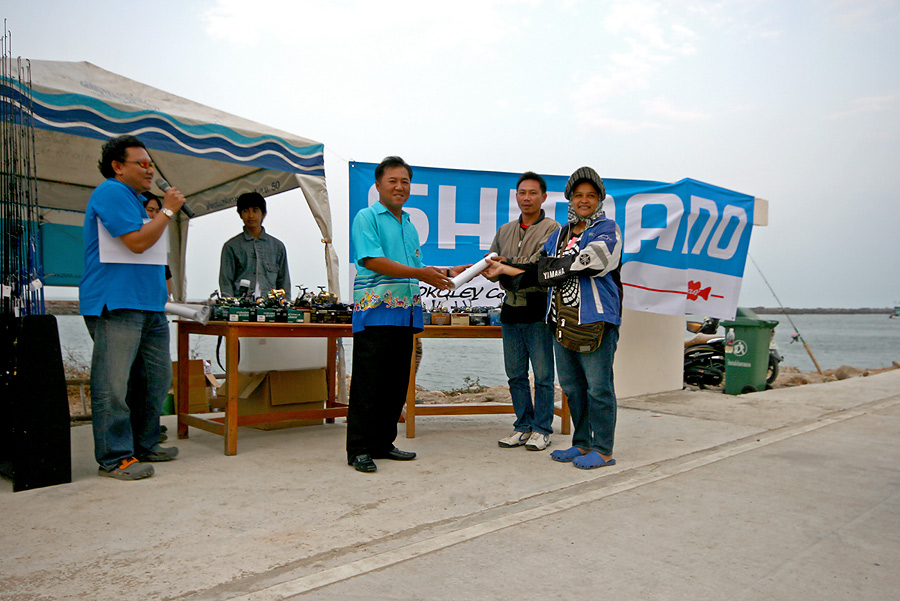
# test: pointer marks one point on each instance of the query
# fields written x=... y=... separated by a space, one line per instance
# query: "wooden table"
x=232 y=331
x=412 y=410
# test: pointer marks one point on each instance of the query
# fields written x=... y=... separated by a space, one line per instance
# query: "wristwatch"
x=167 y=212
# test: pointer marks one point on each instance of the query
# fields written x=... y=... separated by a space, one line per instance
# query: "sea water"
x=863 y=341
x=446 y=363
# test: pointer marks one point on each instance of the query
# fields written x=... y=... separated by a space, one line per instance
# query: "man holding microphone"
x=122 y=298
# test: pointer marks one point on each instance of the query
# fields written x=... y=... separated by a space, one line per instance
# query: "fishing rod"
x=21 y=273
x=796 y=335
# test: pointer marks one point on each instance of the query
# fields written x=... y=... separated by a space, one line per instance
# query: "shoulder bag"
x=581 y=338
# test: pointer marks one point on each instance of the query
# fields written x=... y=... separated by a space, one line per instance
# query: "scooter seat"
x=702 y=339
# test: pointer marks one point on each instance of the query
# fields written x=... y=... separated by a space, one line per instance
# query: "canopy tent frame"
x=210 y=155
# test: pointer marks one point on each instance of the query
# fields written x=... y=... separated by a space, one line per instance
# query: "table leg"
x=566 y=416
x=411 y=395
x=331 y=376
x=231 y=404
x=183 y=355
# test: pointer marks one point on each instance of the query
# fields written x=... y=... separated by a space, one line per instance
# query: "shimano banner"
x=685 y=244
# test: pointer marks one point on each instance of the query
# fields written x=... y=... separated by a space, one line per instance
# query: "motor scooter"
x=704 y=356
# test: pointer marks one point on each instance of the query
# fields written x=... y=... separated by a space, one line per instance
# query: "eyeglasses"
x=143 y=164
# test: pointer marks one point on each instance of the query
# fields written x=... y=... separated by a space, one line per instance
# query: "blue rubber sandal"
x=565 y=456
x=591 y=461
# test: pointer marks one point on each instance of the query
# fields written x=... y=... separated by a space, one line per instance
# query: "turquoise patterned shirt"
x=381 y=300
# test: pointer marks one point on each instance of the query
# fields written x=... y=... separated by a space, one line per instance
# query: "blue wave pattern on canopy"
x=89 y=117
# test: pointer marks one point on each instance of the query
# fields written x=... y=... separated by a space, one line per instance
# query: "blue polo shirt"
x=117 y=285
x=380 y=300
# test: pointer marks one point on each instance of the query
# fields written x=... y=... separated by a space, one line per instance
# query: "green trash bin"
x=168 y=407
x=747 y=352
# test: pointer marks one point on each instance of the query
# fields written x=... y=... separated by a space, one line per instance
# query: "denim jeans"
x=119 y=337
x=587 y=380
x=521 y=342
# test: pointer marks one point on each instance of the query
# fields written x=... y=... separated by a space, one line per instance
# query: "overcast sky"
x=796 y=102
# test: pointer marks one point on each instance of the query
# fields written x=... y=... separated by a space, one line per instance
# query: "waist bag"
x=581 y=338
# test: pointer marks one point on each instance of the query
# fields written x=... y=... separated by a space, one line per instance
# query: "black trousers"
x=381 y=359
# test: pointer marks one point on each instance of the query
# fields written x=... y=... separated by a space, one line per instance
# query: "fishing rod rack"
x=21 y=272
x=35 y=439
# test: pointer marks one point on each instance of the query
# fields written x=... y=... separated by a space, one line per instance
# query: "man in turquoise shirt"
x=387 y=313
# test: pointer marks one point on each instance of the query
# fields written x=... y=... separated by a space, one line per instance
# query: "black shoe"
x=159 y=454
x=363 y=463
x=397 y=455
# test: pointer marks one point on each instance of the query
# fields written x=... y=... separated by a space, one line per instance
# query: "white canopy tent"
x=211 y=156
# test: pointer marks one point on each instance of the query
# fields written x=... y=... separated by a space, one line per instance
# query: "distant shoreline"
x=70 y=307
x=823 y=311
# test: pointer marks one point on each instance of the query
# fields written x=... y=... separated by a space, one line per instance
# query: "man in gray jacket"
x=254 y=255
x=525 y=335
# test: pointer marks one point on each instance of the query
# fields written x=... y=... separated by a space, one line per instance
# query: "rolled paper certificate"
x=199 y=313
x=472 y=271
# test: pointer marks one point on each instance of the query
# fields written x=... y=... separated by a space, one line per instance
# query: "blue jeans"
x=587 y=380
x=521 y=342
x=119 y=337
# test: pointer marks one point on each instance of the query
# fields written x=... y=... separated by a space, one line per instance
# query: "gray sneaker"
x=538 y=442
x=128 y=469
x=159 y=454
x=516 y=439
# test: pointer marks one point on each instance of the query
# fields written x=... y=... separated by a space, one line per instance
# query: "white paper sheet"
x=113 y=250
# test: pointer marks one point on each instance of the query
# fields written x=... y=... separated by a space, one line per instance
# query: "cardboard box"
x=478 y=319
x=271 y=315
x=459 y=319
x=219 y=313
x=240 y=314
x=282 y=354
x=440 y=319
x=323 y=316
x=295 y=316
x=288 y=423
x=280 y=392
x=198 y=386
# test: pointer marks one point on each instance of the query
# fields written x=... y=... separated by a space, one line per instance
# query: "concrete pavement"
x=790 y=493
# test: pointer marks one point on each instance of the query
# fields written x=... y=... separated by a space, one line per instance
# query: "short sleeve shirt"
x=117 y=285
x=381 y=300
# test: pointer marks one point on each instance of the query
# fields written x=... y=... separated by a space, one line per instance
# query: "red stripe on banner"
x=665 y=291
x=654 y=289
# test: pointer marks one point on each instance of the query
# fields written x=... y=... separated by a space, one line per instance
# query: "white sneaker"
x=516 y=439
x=538 y=441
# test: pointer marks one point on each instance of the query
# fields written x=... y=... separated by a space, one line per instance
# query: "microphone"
x=164 y=185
